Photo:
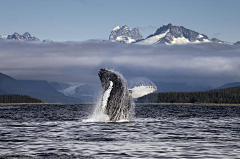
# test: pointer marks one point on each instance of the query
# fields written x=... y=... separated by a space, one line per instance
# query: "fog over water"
x=210 y=63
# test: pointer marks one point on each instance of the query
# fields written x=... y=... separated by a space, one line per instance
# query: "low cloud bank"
x=210 y=63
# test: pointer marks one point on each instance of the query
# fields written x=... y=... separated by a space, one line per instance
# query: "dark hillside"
x=3 y=92
x=16 y=98
x=36 y=89
x=228 y=85
x=228 y=95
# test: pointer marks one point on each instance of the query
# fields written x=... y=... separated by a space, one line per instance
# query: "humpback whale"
x=117 y=100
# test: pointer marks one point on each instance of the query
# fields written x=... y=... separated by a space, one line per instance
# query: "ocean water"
x=156 y=131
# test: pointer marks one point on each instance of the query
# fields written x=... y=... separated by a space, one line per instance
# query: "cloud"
x=210 y=63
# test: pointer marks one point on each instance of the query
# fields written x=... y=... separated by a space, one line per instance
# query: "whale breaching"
x=116 y=101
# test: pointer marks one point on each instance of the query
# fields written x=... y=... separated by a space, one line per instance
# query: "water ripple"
x=157 y=131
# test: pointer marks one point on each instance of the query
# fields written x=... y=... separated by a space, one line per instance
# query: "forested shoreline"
x=16 y=98
x=228 y=95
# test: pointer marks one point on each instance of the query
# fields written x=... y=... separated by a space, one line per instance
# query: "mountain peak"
x=26 y=36
x=125 y=35
x=216 y=40
x=170 y=34
x=169 y=25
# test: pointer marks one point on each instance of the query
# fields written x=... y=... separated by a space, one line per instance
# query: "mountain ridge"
x=25 y=36
x=125 y=35
x=36 y=89
x=167 y=34
x=229 y=85
x=87 y=92
x=15 y=36
x=174 y=35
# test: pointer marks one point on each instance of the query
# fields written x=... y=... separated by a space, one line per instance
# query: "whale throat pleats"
x=106 y=95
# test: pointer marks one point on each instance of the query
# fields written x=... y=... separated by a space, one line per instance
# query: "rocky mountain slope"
x=25 y=37
x=125 y=35
x=170 y=34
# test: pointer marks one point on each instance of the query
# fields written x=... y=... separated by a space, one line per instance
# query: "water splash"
x=97 y=115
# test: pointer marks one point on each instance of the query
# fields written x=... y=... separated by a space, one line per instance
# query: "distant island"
x=218 y=96
x=16 y=98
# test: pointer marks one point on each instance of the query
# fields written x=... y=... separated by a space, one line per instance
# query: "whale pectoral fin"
x=140 y=91
x=106 y=95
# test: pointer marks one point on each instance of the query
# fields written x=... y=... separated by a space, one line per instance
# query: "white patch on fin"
x=106 y=95
x=140 y=91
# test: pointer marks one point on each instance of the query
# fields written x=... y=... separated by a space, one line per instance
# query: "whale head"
x=116 y=101
x=106 y=76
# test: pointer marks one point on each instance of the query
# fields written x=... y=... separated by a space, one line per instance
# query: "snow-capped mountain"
x=125 y=35
x=169 y=34
x=88 y=93
x=25 y=36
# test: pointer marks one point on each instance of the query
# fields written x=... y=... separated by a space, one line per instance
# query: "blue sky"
x=79 y=20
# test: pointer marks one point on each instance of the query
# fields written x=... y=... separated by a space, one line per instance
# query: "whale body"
x=116 y=100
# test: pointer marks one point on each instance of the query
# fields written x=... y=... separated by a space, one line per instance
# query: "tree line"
x=17 y=98
x=228 y=95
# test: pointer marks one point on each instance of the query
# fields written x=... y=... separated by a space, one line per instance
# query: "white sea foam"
x=98 y=115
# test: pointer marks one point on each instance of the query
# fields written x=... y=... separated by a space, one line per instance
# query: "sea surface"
x=156 y=131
